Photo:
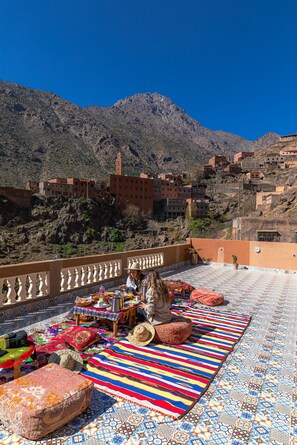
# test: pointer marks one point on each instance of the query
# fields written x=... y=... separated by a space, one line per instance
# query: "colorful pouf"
x=175 y=332
x=43 y=401
x=179 y=287
x=207 y=297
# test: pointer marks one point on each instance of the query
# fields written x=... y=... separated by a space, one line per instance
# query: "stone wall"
x=20 y=197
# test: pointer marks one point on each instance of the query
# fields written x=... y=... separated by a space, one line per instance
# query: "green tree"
x=115 y=235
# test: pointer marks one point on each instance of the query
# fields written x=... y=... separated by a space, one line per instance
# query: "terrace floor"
x=252 y=399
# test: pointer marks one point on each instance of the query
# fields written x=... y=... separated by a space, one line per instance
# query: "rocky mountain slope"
x=58 y=226
x=44 y=136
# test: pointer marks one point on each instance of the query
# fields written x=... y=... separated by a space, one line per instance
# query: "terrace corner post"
x=54 y=285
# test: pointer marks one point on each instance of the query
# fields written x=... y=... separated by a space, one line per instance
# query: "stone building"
x=74 y=187
x=265 y=229
x=20 y=197
x=238 y=157
x=198 y=207
x=218 y=161
x=132 y=190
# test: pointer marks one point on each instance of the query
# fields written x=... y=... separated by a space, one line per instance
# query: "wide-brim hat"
x=142 y=334
x=134 y=266
x=67 y=358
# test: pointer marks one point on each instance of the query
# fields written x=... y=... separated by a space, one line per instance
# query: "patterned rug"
x=43 y=336
x=168 y=379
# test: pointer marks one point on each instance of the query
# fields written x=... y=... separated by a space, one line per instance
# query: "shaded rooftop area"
x=252 y=399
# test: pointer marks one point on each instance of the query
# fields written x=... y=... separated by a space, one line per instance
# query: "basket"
x=83 y=302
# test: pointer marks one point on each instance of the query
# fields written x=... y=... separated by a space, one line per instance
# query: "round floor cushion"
x=175 y=332
x=207 y=297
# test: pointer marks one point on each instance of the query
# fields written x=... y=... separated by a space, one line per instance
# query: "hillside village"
x=245 y=198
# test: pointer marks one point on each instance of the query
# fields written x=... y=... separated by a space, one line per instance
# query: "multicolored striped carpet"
x=169 y=379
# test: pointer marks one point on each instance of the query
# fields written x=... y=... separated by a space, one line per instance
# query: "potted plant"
x=194 y=258
x=235 y=263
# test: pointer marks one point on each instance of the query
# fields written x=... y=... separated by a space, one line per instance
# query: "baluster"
x=76 y=277
x=1 y=292
x=100 y=276
x=11 y=294
x=31 y=288
x=62 y=285
x=118 y=268
x=46 y=283
x=82 y=276
x=105 y=271
x=42 y=284
x=89 y=275
x=95 y=273
x=21 y=293
x=111 y=274
x=70 y=278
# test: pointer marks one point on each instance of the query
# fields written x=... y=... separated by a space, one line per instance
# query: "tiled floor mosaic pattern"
x=253 y=398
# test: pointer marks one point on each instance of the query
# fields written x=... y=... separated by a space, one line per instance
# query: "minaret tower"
x=118 y=169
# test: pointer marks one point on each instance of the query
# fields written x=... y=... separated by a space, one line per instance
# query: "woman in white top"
x=135 y=279
x=156 y=307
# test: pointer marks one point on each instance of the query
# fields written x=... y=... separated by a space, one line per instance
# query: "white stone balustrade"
x=149 y=261
x=17 y=289
x=45 y=279
x=89 y=274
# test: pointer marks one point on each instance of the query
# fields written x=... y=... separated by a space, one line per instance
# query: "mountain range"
x=45 y=136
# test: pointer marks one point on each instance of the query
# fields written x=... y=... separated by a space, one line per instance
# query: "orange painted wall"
x=221 y=251
x=274 y=255
x=249 y=253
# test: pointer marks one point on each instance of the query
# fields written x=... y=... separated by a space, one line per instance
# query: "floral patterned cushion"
x=178 y=286
x=175 y=332
x=43 y=401
x=81 y=338
x=207 y=297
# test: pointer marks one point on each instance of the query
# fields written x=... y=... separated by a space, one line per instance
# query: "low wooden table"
x=14 y=358
x=128 y=313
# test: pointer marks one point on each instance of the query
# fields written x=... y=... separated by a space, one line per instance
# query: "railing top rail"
x=41 y=266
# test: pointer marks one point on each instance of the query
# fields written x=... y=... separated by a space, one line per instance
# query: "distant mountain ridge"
x=44 y=136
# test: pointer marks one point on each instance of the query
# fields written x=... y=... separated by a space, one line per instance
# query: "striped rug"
x=168 y=379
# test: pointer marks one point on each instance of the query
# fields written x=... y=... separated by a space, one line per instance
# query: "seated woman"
x=156 y=307
x=135 y=279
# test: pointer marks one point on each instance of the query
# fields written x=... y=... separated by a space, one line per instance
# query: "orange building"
x=238 y=157
x=88 y=188
x=132 y=190
x=218 y=161
x=119 y=165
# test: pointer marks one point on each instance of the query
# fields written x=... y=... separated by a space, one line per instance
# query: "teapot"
x=117 y=302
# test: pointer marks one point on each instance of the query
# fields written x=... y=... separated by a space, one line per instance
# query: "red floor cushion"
x=207 y=297
x=173 y=333
x=178 y=286
x=44 y=400
x=81 y=338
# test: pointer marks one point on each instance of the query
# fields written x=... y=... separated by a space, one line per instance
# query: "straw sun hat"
x=67 y=358
x=134 y=266
x=142 y=334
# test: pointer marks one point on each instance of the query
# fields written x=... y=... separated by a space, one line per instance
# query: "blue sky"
x=230 y=64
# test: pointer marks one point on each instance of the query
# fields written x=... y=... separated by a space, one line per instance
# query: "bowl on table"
x=83 y=301
x=100 y=305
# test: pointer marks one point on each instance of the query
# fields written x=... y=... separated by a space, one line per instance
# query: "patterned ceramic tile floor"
x=253 y=398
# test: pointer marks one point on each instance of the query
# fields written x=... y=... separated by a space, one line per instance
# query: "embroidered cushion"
x=178 y=286
x=54 y=344
x=207 y=297
x=81 y=338
x=43 y=401
x=175 y=332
